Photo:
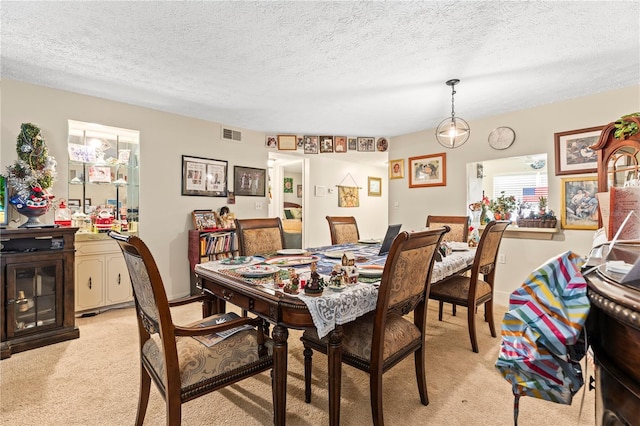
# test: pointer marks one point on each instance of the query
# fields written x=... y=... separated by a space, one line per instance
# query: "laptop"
x=392 y=232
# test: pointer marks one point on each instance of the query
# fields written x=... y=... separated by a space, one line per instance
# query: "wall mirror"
x=525 y=177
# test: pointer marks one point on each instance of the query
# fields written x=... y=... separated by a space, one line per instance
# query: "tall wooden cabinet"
x=37 y=297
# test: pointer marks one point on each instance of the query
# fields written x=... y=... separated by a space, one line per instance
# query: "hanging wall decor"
x=348 y=196
x=288 y=185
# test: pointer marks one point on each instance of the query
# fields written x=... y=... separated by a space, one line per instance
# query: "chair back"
x=259 y=236
x=487 y=252
x=406 y=281
x=343 y=229
x=459 y=226
x=152 y=305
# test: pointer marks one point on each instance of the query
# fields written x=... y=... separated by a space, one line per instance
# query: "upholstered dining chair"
x=259 y=236
x=343 y=229
x=380 y=339
x=459 y=226
x=182 y=367
x=472 y=291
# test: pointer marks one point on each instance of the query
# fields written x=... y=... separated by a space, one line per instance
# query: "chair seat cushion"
x=456 y=288
x=356 y=342
x=198 y=363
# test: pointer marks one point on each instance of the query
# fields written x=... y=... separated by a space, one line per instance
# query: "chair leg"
x=308 y=353
x=174 y=410
x=471 y=320
x=488 y=316
x=143 y=398
x=375 y=384
x=440 y=305
x=421 y=375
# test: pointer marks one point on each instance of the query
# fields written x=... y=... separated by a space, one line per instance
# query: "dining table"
x=257 y=284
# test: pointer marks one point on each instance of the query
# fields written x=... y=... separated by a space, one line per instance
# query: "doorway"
x=287 y=192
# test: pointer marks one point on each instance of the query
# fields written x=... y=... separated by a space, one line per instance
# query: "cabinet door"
x=90 y=272
x=118 y=283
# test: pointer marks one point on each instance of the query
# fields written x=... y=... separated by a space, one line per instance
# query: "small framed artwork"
x=288 y=185
x=204 y=177
x=287 y=142
x=340 y=144
x=352 y=144
x=249 y=181
x=382 y=145
x=396 y=169
x=310 y=144
x=270 y=141
x=299 y=191
x=375 y=186
x=87 y=205
x=573 y=155
x=320 y=191
x=73 y=204
x=428 y=170
x=366 y=144
x=579 y=203
x=300 y=142
x=204 y=219
x=231 y=197
x=99 y=174
x=326 y=143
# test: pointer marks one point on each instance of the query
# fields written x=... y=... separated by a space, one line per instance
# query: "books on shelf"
x=213 y=338
x=216 y=242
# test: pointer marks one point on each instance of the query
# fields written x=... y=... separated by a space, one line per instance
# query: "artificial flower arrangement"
x=481 y=206
x=502 y=206
x=33 y=173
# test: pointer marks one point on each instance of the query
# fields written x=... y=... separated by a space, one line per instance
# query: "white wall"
x=535 y=130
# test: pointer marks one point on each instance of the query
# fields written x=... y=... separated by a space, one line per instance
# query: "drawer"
x=97 y=247
x=256 y=306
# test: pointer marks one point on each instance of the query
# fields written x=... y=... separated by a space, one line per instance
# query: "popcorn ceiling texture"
x=357 y=68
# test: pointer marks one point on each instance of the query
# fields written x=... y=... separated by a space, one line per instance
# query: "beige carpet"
x=94 y=381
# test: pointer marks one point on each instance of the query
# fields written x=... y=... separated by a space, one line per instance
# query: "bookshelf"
x=210 y=244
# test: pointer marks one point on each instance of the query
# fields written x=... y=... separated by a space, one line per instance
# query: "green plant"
x=542 y=203
x=625 y=127
x=503 y=204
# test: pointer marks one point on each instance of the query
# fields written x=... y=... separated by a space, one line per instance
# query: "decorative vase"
x=31 y=210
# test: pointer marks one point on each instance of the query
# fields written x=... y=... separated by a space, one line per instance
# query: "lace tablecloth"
x=339 y=307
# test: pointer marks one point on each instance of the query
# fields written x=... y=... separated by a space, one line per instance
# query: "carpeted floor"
x=94 y=381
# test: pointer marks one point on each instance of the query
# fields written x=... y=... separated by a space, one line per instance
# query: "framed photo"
x=340 y=144
x=287 y=142
x=271 y=142
x=204 y=219
x=299 y=191
x=320 y=191
x=428 y=170
x=326 y=143
x=382 y=145
x=396 y=169
x=366 y=144
x=310 y=144
x=352 y=144
x=100 y=174
x=73 y=204
x=375 y=186
x=579 y=203
x=204 y=177
x=288 y=185
x=249 y=181
x=87 y=205
x=300 y=140
x=573 y=155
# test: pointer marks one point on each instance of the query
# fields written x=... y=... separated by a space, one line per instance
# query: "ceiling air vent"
x=231 y=135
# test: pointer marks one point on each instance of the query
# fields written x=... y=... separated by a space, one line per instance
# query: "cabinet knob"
x=89 y=282
x=118 y=279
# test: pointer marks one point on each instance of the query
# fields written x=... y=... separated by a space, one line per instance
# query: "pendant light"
x=452 y=132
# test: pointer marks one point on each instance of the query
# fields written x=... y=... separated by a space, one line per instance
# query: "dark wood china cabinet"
x=613 y=327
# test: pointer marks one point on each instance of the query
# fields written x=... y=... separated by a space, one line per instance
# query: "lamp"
x=452 y=132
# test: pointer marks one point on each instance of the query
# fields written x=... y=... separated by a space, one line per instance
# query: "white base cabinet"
x=102 y=278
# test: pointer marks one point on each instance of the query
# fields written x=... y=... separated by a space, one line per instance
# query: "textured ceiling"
x=355 y=68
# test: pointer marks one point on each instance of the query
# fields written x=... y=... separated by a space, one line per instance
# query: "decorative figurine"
x=315 y=285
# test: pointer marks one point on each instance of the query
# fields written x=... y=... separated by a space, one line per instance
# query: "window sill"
x=513 y=231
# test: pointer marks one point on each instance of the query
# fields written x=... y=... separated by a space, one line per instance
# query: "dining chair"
x=472 y=291
x=459 y=226
x=343 y=229
x=377 y=341
x=182 y=367
x=259 y=236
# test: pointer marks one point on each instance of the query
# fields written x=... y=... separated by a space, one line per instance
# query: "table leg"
x=280 y=335
x=334 y=358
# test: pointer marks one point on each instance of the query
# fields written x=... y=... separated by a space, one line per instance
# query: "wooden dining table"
x=262 y=297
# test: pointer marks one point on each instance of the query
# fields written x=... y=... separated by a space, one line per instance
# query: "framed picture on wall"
x=579 y=203
x=340 y=144
x=374 y=186
x=326 y=143
x=396 y=169
x=288 y=185
x=287 y=142
x=249 y=181
x=428 y=170
x=310 y=144
x=366 y=144
x=204 y=177
x=573 y=155
x=299 y=191
x=352 y=144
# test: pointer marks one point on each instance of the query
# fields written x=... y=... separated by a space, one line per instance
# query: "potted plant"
x=542 y=204
x=502 y=206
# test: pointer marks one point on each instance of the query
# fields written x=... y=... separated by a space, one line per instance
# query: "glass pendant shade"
x=452 y=132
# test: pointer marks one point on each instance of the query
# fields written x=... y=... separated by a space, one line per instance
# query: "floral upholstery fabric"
x=346 y=233
x=198 y=363
x=455 y=234
x=261 y=241
x=457 y=287
x=410 y=274
x=143 y=291
x=398 y=334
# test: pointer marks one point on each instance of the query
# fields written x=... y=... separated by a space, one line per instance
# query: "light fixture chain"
x=453 y=92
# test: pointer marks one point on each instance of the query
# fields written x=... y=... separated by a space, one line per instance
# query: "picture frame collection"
x=323 y=144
